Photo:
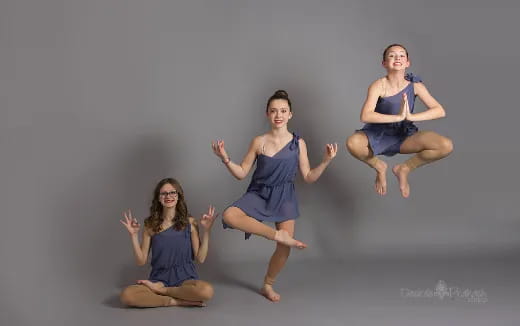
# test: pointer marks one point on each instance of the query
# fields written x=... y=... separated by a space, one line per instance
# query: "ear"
x=408 y=64
x=290 y=115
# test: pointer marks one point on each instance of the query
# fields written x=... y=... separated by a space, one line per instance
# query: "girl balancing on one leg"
x=271 y=193
x=389 y=115
x=174 y=240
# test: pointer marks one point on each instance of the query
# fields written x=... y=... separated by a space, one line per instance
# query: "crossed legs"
x=148 y=294
x=427 y=145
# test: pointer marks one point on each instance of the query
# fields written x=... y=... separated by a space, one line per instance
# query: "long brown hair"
x=180 y=221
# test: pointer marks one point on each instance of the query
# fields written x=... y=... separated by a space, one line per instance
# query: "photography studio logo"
x=443 y=292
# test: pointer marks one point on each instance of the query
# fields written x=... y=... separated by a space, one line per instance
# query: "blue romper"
x=271 y=195
x=386 y=138
x=172 y=257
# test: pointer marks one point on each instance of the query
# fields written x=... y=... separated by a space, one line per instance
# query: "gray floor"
x=356 y=291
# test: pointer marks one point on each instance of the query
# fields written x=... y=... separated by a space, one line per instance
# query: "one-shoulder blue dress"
x=271 y=195
x=172 y=257
x=386 y=138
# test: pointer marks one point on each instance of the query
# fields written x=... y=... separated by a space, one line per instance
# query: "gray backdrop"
x=100 y=99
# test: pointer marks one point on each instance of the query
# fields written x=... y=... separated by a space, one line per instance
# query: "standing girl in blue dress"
x=389 y=115
x=174 y=239
x=271 y=194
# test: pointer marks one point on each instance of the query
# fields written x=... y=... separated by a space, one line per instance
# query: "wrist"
x=227 y=160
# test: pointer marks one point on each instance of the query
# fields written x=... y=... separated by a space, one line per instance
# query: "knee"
x=127 y=296
x=446 y=146
x=227 y=216
x=205 y=290
x=354 y=143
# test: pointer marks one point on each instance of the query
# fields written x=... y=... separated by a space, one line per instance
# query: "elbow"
x=141 y=262
x=201 y=260
x=363 y=118
x=441 y=112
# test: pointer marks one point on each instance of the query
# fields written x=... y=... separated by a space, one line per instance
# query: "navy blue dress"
x=271 y=195
x=172 y=257
x=386 y=138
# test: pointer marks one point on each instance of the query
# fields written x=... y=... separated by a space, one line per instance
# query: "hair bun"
x=281 y=93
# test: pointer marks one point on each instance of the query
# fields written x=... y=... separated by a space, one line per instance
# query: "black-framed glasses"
x=172 y=193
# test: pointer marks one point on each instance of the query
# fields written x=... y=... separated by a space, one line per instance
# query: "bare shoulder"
x=301 y=143
x=376 y=87
x=148 y=231
x=419 y=88
x=257 y=143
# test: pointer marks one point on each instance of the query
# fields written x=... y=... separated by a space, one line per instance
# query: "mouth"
x=278 y=121
x=169 y=201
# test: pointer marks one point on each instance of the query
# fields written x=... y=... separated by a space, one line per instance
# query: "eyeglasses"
x=171 y=193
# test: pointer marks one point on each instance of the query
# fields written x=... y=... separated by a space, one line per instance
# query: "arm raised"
x=241 y=170
x=311 y=175
x=140 y=250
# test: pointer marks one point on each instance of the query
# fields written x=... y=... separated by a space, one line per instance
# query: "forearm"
x=138 y=253
x=375 y=117
x=236 y=170
x=430 y=114
x=203 y=248
x=314 y=174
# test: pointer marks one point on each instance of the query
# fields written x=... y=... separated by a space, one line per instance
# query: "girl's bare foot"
x=284 y=238
x=380 y=184
x=268 y=292
x=156 y=287
x=401 y=171
x=186 y=303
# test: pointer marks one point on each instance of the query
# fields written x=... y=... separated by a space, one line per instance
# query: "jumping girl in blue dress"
x=389 y=116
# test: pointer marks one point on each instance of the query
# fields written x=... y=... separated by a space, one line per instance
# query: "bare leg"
x=429 y=147
x=358 y=146
x=189 y=295
x=277 y=262
x=235 y=217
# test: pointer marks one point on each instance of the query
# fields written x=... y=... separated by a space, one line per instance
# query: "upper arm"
x=303 y=159
x=194 y=231
x=145 y=243
x=249 y=158
x=422 y=92
x=373 y=94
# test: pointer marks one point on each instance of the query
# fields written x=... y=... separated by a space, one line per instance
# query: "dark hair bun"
x=280 y=93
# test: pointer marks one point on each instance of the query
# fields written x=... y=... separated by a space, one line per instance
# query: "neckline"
x=402 y=90
x=281 y=149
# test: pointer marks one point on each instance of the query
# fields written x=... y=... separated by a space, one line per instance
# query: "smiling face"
x=279 y=113
x=168 y=196
x=396 y=58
